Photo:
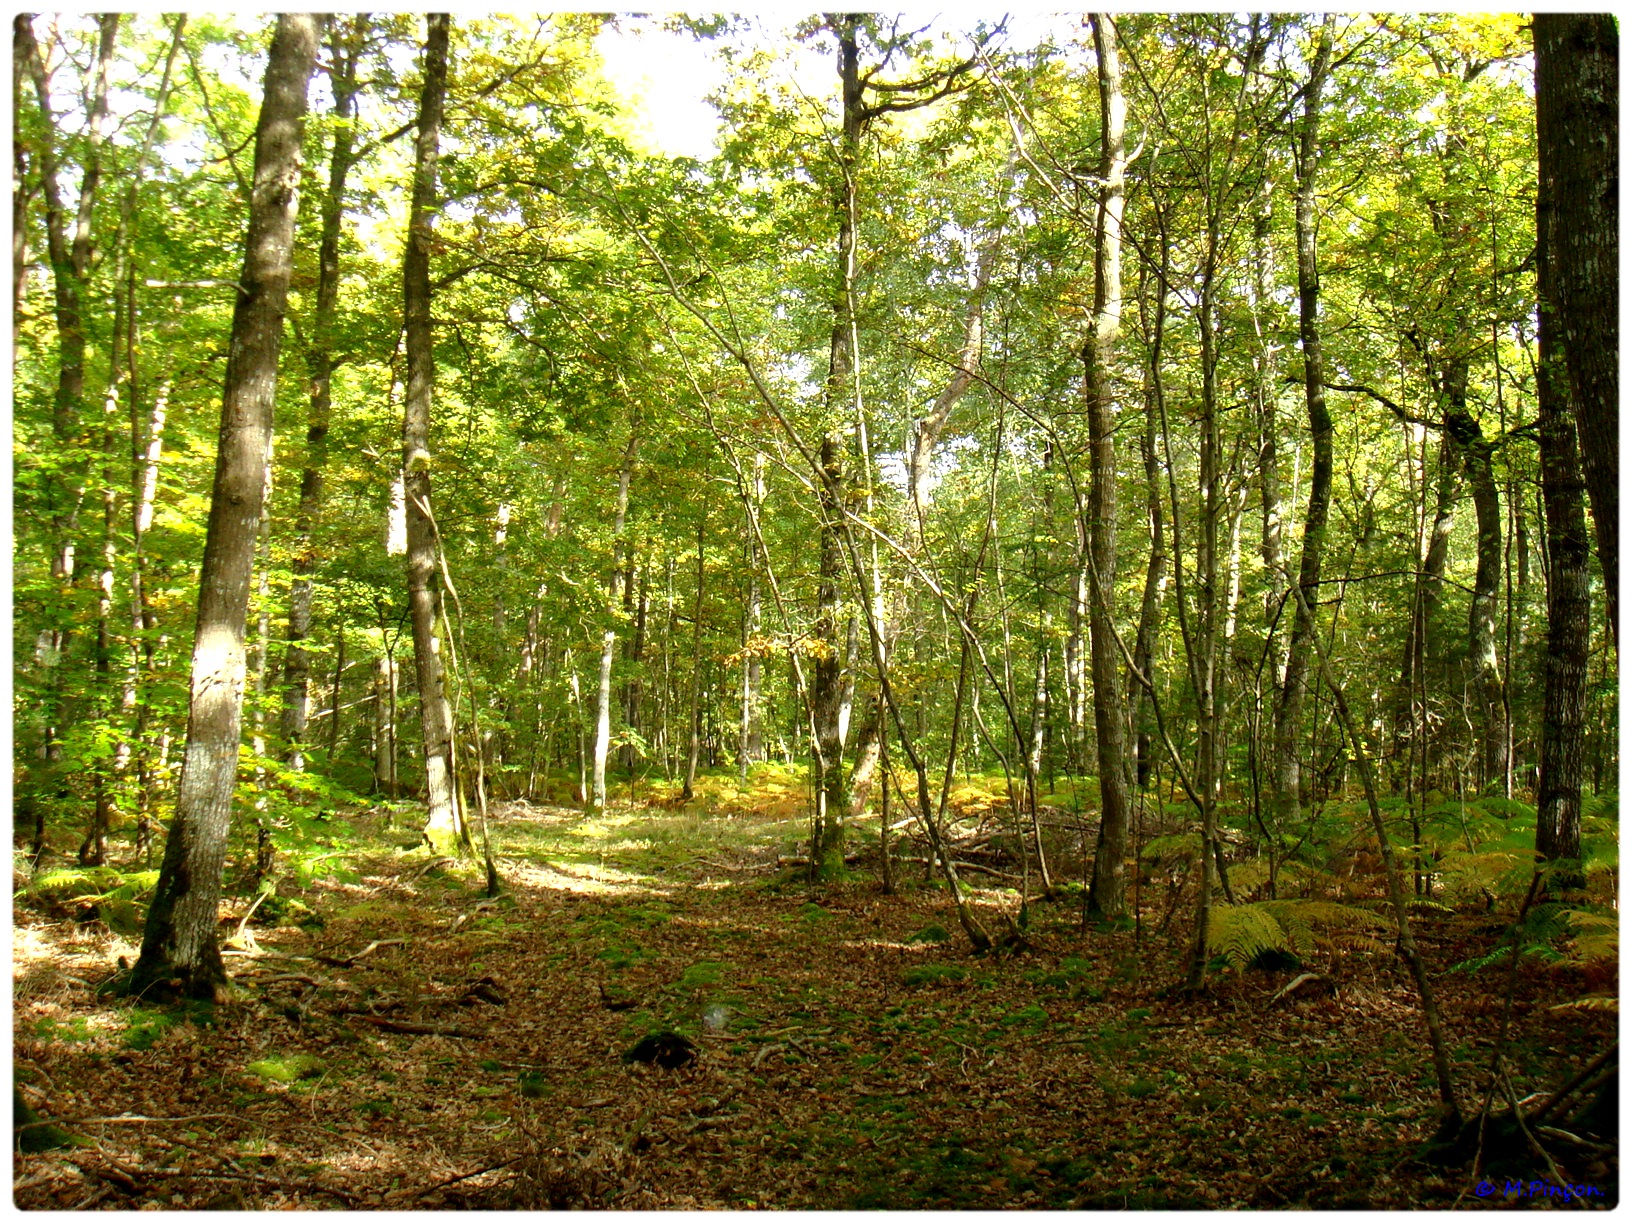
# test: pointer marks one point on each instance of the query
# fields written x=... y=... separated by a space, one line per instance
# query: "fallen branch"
x=962 y=866
x=123 y=1118
x=420 y=1193
x=346 y=962
x=412 y=1026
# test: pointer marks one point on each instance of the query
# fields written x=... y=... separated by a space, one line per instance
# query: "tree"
x=1578 y=141
x=444 y=828
x=179 y=940
x=346 y=48
x=1295 y=684
x=1105 y=899
x=1569 y=602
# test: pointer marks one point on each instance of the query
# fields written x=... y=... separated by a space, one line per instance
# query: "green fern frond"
x=1178 y=844
x=1254 y=873
x=1596 y=937
x=1239 y=933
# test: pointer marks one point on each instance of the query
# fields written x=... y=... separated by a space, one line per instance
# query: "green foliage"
x=934 y=933
x=933 y=975
x=1242 y=933
x=288 y=1069
x=702 y=974
x=1557 y=934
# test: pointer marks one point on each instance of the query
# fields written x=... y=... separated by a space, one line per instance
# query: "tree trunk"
x=1578 y=144
x=444 y=831
x=1106 y=899
x=1482 y=656
x=1295 y=685
x=1569 y=604
x=1427 y=589
x=609 y=635
x=694 y=743
x=70 y=259
x=179 y=941
x=320 y=364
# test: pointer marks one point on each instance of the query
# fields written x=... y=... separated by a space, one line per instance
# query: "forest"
x=1024 y=616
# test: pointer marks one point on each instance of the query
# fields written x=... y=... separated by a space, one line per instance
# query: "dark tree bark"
x=444 y=829
x=1578 y=146
x=179 y=941
x=1295 y=684
x=320 y=362
x=1106 y=892
x=1410 y=716
x=1569 y=604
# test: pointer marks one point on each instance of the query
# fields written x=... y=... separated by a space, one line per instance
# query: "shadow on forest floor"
x=403 y=1042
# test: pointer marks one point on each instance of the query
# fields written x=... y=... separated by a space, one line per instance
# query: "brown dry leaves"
x=843 y=1064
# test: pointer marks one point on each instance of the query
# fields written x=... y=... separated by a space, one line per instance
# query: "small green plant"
x=934 y=933
x=701 y=974
x=933 y=975
x=286 y=1070
x=73 y=1030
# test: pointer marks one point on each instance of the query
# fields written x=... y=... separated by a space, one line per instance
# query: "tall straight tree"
x=1578 y=146
x=179 y=941
x=347 y=45
x=1569 y=605
x=444 y=829
x=1295 y=684
x=1105 y=899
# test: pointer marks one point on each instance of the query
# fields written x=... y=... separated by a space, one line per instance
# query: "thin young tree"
x=179 y=945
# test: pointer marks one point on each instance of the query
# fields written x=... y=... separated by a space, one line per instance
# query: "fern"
x=1179 y=845
x=1593 y=937
x=1242 y=933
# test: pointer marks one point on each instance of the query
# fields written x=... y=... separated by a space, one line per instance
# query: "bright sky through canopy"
x=663 y=75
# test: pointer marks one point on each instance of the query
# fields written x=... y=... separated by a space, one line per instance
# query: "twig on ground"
x=421 y=1192
x=411 y=1026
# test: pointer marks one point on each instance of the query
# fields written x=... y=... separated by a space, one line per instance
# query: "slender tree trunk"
x=1295 y=685
x=1569 y=603
x=70 y=257
x=1106 y=899
x=22 y=188
x=1578 y=143
x=694 y=743
x=1482 y=653
x=346 y=49
x=609 y=635
x=179 y=941
x=1426 y=593
x=444 y=831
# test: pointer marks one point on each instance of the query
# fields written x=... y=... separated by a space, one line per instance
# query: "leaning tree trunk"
x=1105 y=893
x=179 y=941
x=1295 y=684
x=1578 y=146
x=297 y=664
x=1569 y=603
x=444 y=830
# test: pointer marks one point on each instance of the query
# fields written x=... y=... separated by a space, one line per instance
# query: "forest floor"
x=400 y=1041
